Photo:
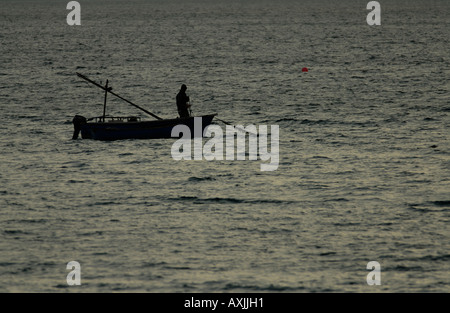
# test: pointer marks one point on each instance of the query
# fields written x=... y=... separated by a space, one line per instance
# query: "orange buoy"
x=305 y=69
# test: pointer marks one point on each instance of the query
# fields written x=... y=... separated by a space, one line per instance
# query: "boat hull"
x=139 y=130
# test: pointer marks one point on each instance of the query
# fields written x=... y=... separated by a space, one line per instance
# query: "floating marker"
x=305 y=69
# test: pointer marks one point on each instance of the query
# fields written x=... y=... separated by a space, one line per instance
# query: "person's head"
x=183 y=87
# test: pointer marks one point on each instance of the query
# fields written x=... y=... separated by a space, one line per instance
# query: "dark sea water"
x=364 y=171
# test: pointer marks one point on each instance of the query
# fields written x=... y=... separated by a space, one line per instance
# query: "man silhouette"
x=182 y=102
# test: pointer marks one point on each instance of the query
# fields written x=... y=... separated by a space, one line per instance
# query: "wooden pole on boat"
x=104 y=105
x=109 y=90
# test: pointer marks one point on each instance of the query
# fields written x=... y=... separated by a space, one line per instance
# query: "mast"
x=109 y=90
x=104 y=105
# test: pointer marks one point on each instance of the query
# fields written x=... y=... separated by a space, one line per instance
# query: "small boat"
x=130 y=127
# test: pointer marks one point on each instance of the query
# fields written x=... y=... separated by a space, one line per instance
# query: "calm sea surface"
x=364 y=171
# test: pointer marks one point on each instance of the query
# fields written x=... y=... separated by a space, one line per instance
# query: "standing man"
x=182 y=102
